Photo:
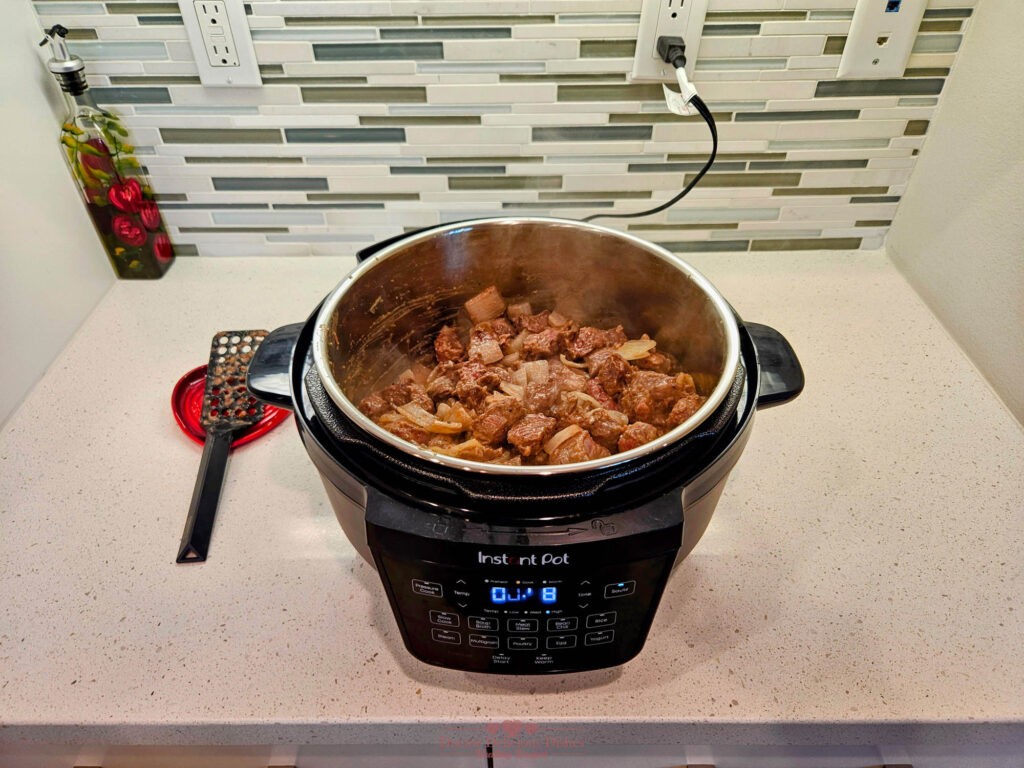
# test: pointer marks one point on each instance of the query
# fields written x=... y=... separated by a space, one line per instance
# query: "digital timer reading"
x=502 y=595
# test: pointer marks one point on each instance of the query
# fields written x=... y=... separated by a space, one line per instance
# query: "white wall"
x=959 y=233
x=52 y=267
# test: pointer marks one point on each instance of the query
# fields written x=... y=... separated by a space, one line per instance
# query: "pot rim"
x=715 y=398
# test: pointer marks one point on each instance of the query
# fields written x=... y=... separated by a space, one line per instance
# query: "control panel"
x=528 y=620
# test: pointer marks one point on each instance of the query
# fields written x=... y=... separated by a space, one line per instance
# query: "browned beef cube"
x=543 y=344
x=484 y=346
x=579 y=447
x=637 y=434
x=596 y=391
x=685 y=407
x=649 y=396
x=567 y=379
x=540 y=396
x=447 y=346
x=656 y=361
x=587 y=339
x=529 y=433
x=609 y=370
x=409 y=431
x=394 y=395
x=476 y=380
x=532 y=323
x=605 y=426
x=500 y=412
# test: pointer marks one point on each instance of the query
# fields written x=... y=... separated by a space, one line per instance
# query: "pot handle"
x=781 y=376
x=269 y=377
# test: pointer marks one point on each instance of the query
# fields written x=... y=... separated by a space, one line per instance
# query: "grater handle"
x=195 y=540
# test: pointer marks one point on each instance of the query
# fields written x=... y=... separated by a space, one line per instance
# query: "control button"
x=522 y=643
x=621 y=589
x=606 y=619
x=461 y=593
x=564 y=624
x=446 y=636
x=482 y=624
x=561 y=641
x=522 y=625
x=445 y=619
x=597 y=638
x=484 y=641
x=428 y=588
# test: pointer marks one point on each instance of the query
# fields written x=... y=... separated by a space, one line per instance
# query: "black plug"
x=672 y=50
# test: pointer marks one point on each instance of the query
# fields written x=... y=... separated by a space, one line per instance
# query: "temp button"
x=620 y=589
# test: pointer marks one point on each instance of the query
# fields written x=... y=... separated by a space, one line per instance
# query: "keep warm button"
x=621 y=589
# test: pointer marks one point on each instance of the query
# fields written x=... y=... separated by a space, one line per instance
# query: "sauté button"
x=446 y=636
x=621 y=589
x=483 y=641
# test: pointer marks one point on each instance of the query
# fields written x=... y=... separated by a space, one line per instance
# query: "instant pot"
x=521 y=569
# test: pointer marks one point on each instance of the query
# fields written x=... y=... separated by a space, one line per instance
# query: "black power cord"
x=673 y=51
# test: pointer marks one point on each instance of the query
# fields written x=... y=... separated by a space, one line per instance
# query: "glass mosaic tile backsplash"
x=378 y=116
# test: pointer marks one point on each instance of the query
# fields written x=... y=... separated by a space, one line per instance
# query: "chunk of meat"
x=656 y=361
x=539 y=396
x=689 y=401
x=484 y=346
x=579 y=447
x=475 y=381
x=566 y=379
x=605 y=426
x=447 y=346
x=649 y=396
x=378 y=403
x=499 y=413
x=532 y=323
x=529 y=433
x=596 y=391
x=637 y=434
x=543 y=344
x=609 y=370
x=588 y=339
x=408 y=431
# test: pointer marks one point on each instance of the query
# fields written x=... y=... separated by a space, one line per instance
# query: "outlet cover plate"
x=881 y=38
x=675 y=18
x=241 y=69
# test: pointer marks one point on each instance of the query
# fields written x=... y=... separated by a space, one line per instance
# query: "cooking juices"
x=116 y=192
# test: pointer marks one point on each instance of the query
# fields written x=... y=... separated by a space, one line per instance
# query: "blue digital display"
x=503 y=595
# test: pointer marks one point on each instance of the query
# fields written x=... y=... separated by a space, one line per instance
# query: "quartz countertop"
x=860 y=582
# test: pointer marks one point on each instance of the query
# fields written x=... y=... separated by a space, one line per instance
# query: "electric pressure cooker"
x=521 y=569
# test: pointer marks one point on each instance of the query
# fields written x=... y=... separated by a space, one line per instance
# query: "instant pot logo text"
x=546 y=558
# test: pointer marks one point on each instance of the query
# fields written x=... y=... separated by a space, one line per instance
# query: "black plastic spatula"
x=227 y=406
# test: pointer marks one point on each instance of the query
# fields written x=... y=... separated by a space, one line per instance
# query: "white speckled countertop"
x=860 y=582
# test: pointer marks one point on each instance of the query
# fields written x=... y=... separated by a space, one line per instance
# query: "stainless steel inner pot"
x=382 y=317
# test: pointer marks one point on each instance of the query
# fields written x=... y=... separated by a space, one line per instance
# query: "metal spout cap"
x=62 y=61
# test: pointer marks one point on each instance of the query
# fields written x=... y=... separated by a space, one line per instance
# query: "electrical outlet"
x=674 y=18
x=221 y=44
x=881 y=38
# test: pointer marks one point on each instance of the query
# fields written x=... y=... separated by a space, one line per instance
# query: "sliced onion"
x=486 y=305
x=516 y=344
x=519 y=376
x=570 y=363
x=635 y=349
x=511 y=358
x=561 y=436
x=557 y=319
x=443 y=409
x=487 y=351
x=428 y=421
x=585 y=398
x=514 y=390
x=460 y=415
x=517 y=310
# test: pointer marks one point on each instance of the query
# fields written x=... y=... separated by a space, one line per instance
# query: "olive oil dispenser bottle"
x=114 y=187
